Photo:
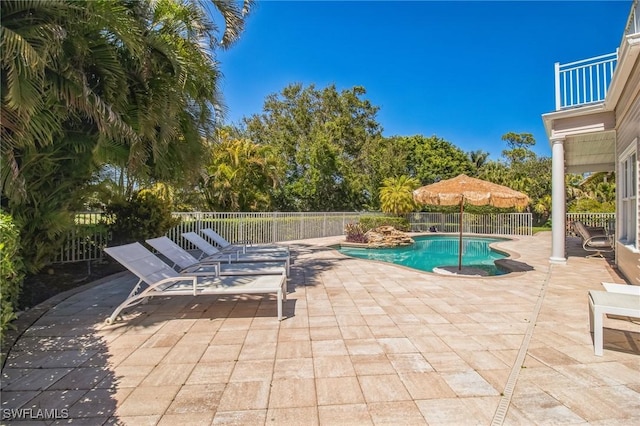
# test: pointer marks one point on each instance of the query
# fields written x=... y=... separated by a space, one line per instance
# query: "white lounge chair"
x=162 y=280
x=622 y=288
x=606 y=302
x=226 y=246
x=212 y=253
x=187 y=263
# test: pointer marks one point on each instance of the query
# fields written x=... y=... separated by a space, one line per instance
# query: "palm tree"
x=61 y=77
x=233 y=17
x=240 y=176
x=91 y=82
x=478 y=159
x=396 y=194
x=600 y=187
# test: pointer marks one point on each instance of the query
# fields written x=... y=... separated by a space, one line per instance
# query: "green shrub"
x=144 y=216
x=372 y=222
x=11 y=271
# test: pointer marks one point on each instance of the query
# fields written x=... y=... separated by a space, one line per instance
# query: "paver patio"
x=363 y=343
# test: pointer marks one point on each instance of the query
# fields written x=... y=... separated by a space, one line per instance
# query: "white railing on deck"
x=501 y=224
x=603 y=220
x=584 y=82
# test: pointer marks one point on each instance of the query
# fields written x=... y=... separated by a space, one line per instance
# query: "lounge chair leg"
x=596 y=327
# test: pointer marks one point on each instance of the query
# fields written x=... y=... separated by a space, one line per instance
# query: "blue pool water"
x=433 y=251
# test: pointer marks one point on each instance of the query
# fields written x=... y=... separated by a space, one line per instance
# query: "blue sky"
x=467 y=72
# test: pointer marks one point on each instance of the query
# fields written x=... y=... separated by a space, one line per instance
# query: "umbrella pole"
x=460 y=242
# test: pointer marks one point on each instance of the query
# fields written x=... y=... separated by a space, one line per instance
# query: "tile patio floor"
x=364 y=343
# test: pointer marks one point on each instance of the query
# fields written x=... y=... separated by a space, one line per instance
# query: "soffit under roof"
x=593 y=152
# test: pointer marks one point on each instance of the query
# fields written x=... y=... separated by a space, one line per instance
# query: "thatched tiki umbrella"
x=464 y=189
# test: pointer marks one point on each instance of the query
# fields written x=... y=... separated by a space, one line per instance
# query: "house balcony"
x=584 y=82
x=588 y=102
x=587 y=81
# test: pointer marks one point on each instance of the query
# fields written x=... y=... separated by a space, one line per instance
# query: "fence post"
x=324 y=224
x=274 y=224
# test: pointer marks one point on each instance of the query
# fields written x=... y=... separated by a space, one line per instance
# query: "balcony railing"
x=584 y=82
x=633 y=24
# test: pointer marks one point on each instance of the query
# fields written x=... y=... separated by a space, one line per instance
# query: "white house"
x=596 y=127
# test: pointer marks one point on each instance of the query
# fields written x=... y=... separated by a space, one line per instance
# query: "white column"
x=558 y=202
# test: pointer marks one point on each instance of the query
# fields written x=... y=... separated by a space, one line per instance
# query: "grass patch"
x=537 y=229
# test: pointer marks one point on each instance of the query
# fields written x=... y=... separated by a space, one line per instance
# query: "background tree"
x=478 y=159
x=522 y=170
x=241 y=176
x=519 y=147
x=396 y=195
x=434 y=158
x=320 y=134
x=595 y=193
x=385 y=158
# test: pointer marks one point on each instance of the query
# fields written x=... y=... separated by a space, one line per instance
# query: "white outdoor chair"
x=212 y=253
x=162 y=280
x=226 y=246
x=187 y=263
x=622 y=288
x=602 y=303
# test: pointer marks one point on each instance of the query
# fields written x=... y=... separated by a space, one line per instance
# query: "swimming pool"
x=432 y=251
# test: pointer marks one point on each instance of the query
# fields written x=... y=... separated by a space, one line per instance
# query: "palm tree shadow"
x=55 y=365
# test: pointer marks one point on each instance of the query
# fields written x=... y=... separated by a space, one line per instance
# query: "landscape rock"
x=387 y=236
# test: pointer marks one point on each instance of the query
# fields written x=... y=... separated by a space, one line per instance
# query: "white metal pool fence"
x=500 y=224
x=269 y=227
x=86 y=240
x=90 y=236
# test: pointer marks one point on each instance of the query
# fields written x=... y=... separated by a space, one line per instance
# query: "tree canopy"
x=89 y=83
x=320 y=136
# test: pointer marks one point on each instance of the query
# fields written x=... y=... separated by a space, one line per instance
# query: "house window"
x=628 y=214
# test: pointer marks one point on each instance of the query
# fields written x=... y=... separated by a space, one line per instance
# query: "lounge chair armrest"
x=598 y=239
x=175 y=280
x=203 y=269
